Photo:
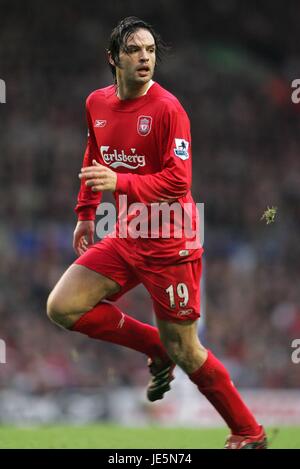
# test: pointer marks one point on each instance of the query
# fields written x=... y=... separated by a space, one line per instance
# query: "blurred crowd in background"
x=231 y=66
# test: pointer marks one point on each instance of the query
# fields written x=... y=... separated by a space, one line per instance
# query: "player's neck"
x=127 y=92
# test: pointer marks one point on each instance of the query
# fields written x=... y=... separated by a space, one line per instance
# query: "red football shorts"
x=174 y=289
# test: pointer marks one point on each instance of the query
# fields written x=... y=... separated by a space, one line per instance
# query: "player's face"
x=138 y=61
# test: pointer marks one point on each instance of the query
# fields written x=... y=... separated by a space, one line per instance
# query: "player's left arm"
x=174 y=180
x=171 y=183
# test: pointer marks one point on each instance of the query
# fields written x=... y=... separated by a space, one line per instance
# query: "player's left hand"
x=99 y=177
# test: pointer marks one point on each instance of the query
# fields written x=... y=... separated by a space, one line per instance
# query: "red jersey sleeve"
x=87 y=200
x=174 y=147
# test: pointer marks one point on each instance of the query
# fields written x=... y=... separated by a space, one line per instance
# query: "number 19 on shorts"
x=182 y=295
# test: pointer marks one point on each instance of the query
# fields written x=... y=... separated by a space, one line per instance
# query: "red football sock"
x=107 y=322
x=214 y=382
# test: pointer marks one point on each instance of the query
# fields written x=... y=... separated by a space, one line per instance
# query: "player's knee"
x=54 y=308
x=58 y=310
x=176 y=352
x=186 y=354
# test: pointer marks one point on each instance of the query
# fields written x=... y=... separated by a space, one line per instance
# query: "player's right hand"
x=83 y=236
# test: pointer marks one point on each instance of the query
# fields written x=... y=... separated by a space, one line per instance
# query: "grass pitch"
x=117 y=437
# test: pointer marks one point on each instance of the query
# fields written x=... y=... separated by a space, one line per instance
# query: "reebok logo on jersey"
x=181 y=149
x=100 y=123
x=115 y=159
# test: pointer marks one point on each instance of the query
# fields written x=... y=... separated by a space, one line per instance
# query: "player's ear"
x=110 y=59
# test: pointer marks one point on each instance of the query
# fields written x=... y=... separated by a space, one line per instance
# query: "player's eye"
x=132 y=50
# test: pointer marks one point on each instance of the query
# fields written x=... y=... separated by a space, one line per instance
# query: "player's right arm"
x=83 y=236
x=87 y=200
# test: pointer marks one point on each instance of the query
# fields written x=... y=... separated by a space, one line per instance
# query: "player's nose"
x=144 y=55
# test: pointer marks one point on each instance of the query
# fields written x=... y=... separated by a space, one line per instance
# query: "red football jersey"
x=147 y=142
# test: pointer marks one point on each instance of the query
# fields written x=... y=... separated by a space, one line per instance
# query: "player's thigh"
x=98 y=274
x=181 y=331
x=106 y=258
x=182 y=335
x=79 y=290
x=175 y=290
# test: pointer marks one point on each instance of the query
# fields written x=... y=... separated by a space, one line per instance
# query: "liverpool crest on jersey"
x=144 y=125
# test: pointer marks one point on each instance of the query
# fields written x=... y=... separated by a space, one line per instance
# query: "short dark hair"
x=121 y=33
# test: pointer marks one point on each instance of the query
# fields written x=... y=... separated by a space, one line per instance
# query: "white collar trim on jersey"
x=151 y=82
